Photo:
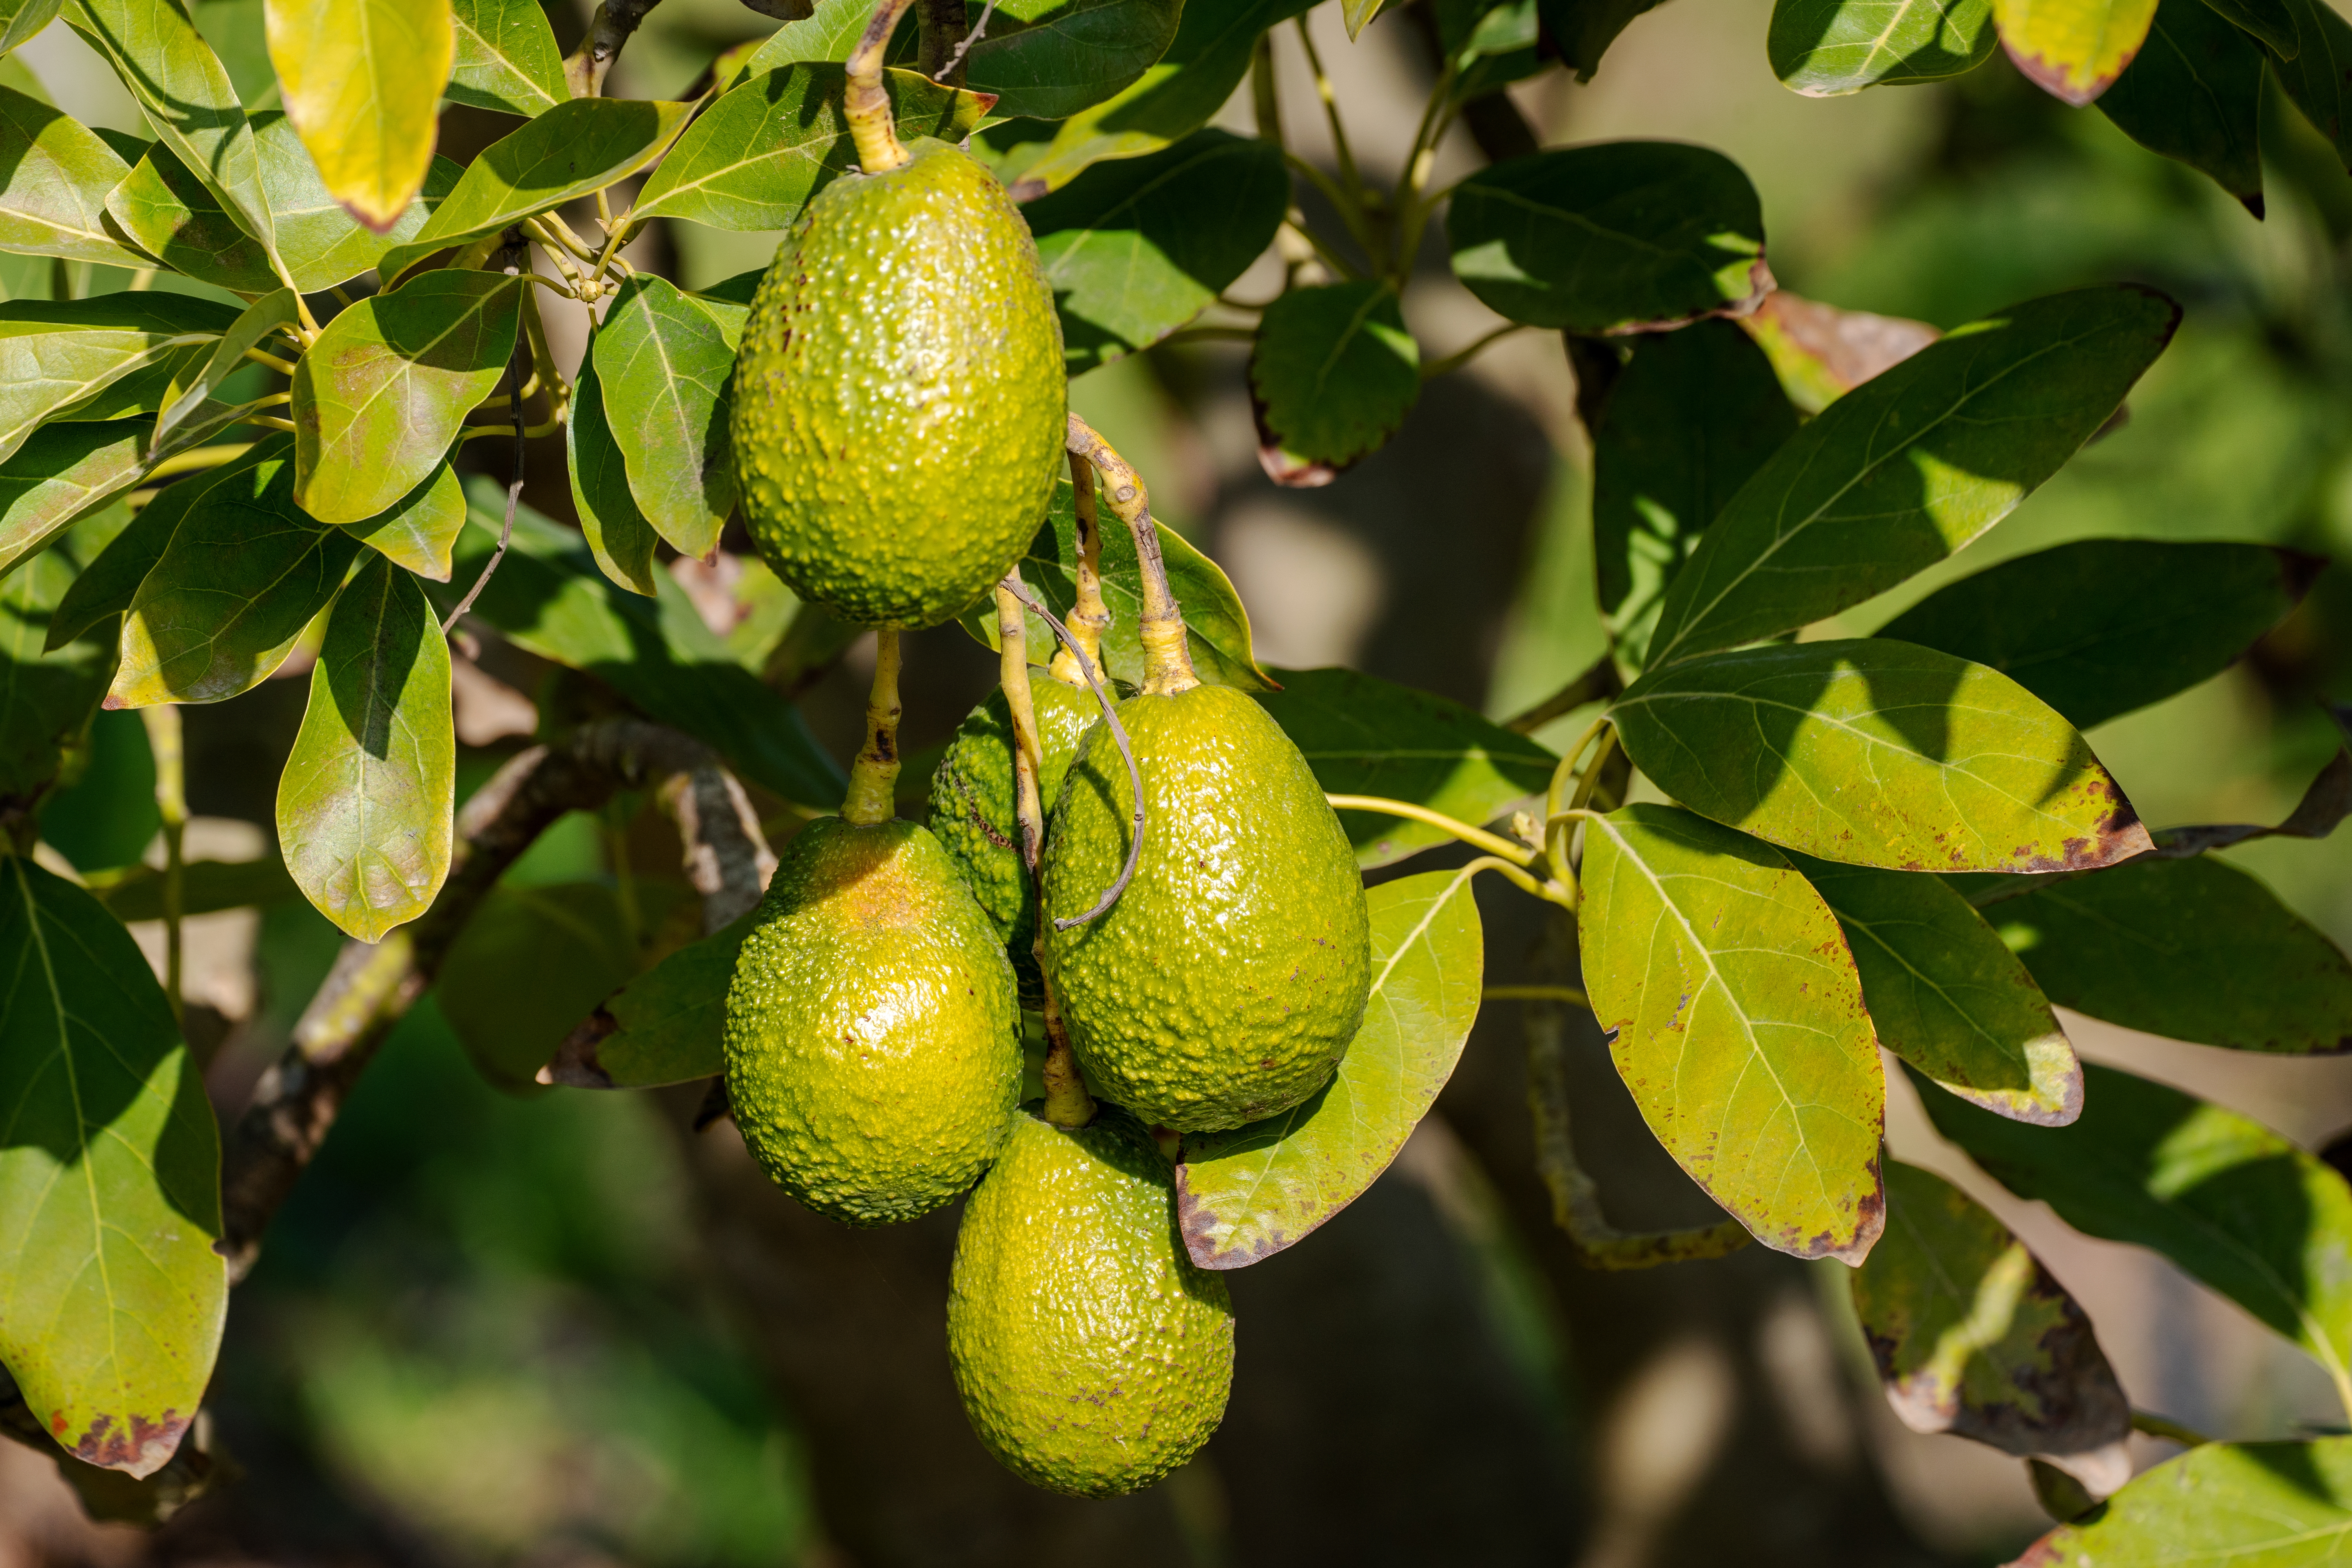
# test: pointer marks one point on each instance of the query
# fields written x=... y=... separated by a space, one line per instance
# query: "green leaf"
x=1825 y=48
x=53 y=196
x=1246 y=1194
x=2102 y=627
x=246 y=571
x=107 y=817
x=56 y=354
x=665 y=364
x=62 y=471
x=1878 y=753
x=1048 y=59
x=1363 y=735
x=575 y=149
x=1693 y=414
x=1176 y=96
x=136 y=893
x=618 y=533
x=2250 y=1505
x=362 y=81
x=1135 y=249
x=177 y=220
x=1583 y=29
x=1821 y=352
x=188 y=99
x=48 y=693
x=827 y=33
x=1622 y=237
x=1216 y=627
x=1973 y=1337
x=110 y=582
x=366 y=804
x=2230 y=1201
x=420 y=529
x=21 y=21
x=1359 y=14
x=385 y=389
x=550 y=599
x=757 y=156
x=2191 y=949
x=2318 y=78
x=1738 y=1026
x=2073 y=49
x=111 y=1297
x=1333 y=372
x=505 y=59
x=665 y=1026
x=572 y=939
x=2194 y=92
x=2270 y=22
x=1912 y=465
x=1947 y=996
x=265 y=315
x=318 y=242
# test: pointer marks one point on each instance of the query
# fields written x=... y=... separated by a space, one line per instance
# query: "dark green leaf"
x=665 y=1026
x=506 y=59
x=575 y=149
x=1691 y=417
x=264 y=316
x=1050 y=58
x=2318 y=78
x=1135 y=249
x=57 y=354
x=1363 y=735
x=550 y=599
x=2325 y=803
x=244 y=574
x=570 y=940
x=21 y=21
x=1622 y=237
x=1823 y=49
x=382 y=393
x=1216 y=627
x=178 y=219
x=2194 y=92
x=1246 y=1194
x=2102 y=627
x=1947 y=996
x=1973 y=1337
x=1912 y=465
x=205 y=886
x=366 y=803
x=1738 y=1026
x=111 y=1299
x=108 y=582
x=2272 y=22
x=618 y=533
x=1583 y=29
x=2192 y=949
x=320 y=243
x=422 y=527
x=665 y=364
x=2251 y=1505
x=106 y=817
x=1333 y=374
x=46 y=698
x=2229 y=1199
x=1878 y=753
x=53 y=194
x=752 y=160
x=62 y=471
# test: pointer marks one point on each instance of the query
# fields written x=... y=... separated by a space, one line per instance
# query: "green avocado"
x=972 y=809
x=1093 y=1355
x=873 y=1044
x=899 y=401
x=1230 y=976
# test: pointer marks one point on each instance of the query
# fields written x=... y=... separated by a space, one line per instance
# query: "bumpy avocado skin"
x=900 y=399
x=1227 y=981
x=972 y=809
x=872 y=1046
x=1093 y=1356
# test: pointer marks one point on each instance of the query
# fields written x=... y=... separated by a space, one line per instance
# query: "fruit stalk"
x=1118 y=737
x=1089 y=618
x=1167 y=662
x=869 y=112
x=874 y=776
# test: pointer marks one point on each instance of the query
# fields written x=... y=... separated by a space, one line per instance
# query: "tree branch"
x=607 y=31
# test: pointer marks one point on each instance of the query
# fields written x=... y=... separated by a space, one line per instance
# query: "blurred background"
x=563 y=1328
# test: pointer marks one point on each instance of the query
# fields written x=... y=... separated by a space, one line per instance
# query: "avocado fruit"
x=872 y=1041
x=1093 y=1355
x=972 y=809
x=1227 y=981
x=899 y=403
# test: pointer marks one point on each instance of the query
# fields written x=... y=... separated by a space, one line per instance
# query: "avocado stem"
x=871 y=125
x=1089 y=617
x=872 y=798
x=1167 y=661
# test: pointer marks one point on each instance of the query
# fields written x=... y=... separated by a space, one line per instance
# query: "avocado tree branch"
x=867 y=109
x=611 y=26
x=1167 y=661
x=874 y=776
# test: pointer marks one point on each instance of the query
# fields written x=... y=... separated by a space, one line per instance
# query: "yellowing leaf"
x=2073 y=49
x=362 y=83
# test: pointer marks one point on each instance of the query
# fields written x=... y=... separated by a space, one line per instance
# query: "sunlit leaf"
x=1739 y=1025
x=665 y=364
x=1050 y=58
x=56 y=353
x=622 y=540
x=1821 y=352
x=272 y=311
x=318 y=242
x=62 y=471
x=1246 y=1194
x=1333 y=372
x=111 y=1297
x=53 y=194
x=1826 y=47
x=362 y=81
x=506 y=58
x=827 y=33
x=21 y=21
x=420 y=529
x=2194 y=92
x=2073 y=48
x=2251 y=1505
x=182 y=222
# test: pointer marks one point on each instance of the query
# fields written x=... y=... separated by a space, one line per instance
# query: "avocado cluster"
x=899 y=420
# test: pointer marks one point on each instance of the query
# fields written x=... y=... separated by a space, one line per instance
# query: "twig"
x=1089 y=617
x=952 y=74
x=607 y=31
x=873 y=793
x=1493 y=843
x=515 y=363
x=164 y=738
x=1331 y=113
x=1167 y=662
x=1118 y=733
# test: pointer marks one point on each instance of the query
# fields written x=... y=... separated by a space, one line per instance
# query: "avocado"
x=1230 y=976
x=873 y=1044
x=1093 y=1355
x=972 y=809
x=899 y=401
